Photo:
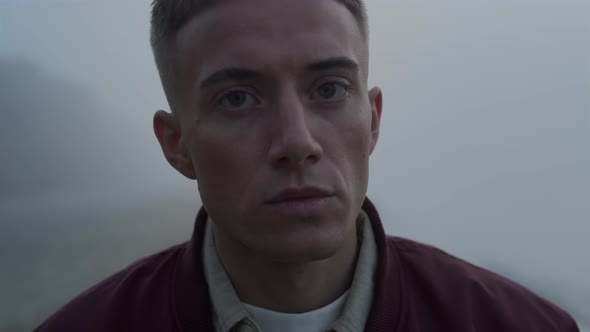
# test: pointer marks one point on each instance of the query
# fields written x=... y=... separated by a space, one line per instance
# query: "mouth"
x=294 y=194
x=301 y=202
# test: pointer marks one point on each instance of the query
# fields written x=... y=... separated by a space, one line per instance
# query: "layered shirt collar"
x=229 y=314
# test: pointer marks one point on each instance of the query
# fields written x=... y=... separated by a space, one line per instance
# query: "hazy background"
x=484 y=148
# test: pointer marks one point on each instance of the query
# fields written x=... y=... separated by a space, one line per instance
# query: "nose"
x=293 y=143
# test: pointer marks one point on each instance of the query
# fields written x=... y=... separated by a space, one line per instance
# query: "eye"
x=331 y=91
x=237 y=99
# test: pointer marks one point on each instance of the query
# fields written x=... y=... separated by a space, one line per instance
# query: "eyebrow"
x=338 y=62
x=230 y=74
x=243 y=74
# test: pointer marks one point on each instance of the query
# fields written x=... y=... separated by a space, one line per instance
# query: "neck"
x=285 y=286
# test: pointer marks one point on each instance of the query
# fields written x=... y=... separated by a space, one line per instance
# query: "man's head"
x=271 y=116
x=170 y=16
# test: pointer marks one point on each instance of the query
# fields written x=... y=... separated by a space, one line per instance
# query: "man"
x=272 y=116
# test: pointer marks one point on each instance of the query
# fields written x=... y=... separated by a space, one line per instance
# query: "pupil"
x=327 y=91
x=236 y=99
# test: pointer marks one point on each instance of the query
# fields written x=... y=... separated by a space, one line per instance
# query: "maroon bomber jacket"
x=417 y=288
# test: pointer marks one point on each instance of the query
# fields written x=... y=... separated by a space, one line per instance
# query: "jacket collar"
x=192 y=303
x=386 y=311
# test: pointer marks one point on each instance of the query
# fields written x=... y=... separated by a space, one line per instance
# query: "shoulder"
x=454 y=285
x=132 y=296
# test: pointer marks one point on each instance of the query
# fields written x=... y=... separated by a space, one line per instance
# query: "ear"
x=376 y=102
x=168 y=132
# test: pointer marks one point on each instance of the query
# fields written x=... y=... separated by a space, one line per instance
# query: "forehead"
x=280 y=35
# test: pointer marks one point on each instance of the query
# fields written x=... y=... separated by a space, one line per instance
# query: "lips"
x=302 y=203
x=299 y=194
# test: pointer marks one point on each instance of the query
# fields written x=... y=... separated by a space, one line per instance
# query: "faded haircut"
x=169 y=16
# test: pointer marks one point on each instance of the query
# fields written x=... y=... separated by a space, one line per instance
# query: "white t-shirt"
x=313 y=321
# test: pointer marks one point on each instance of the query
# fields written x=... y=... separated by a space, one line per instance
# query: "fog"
x=484 y=148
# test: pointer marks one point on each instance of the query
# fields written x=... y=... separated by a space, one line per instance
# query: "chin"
x=303 y=246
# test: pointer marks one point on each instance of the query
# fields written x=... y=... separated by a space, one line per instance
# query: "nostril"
x=313 y=158
x=283 y=161
x=294 y=146
x=286 y=161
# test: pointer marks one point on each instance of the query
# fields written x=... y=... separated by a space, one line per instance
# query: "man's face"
x=277 y=123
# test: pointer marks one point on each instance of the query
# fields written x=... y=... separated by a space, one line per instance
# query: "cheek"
x=358 y=144
x=349 y=144
x=215 y=161
x=224 y=164
x=356 y=138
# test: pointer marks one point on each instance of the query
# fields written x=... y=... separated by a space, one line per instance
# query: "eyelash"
x=219 y=97
x=346 y=85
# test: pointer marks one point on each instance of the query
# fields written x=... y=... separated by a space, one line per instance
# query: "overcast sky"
x=484 y=147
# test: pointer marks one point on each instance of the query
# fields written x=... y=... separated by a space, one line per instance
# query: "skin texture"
x=293 y=111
